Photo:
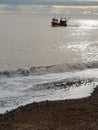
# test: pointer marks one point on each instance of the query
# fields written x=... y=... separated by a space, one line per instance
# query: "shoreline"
x=73 y=114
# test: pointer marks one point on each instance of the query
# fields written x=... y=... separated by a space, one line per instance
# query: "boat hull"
x=58 y=24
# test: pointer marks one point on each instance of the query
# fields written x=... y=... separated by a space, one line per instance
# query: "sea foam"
x=19 y=91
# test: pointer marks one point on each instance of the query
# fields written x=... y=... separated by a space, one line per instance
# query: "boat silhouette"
x=62 y=22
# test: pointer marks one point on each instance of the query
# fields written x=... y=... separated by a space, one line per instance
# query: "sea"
x=39 y=62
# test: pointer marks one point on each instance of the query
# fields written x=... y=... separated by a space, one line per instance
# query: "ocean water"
x=39 y=62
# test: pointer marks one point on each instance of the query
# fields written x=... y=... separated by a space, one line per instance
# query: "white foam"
x=19 y=91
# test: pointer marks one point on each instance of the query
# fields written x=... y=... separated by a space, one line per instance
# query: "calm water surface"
x=29 y=40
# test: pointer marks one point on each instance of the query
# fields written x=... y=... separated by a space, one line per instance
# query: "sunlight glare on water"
x=88 y=23
x=30 y=43
x=27 y=40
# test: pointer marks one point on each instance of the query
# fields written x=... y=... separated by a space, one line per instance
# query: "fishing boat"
x=62 y=22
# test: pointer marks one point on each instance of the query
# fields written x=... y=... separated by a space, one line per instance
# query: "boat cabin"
x=55 y=20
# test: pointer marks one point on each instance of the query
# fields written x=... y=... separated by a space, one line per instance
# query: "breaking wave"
x=56 y=82
x=49 y=69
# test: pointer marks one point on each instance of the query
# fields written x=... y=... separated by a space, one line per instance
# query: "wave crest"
x=49 y=69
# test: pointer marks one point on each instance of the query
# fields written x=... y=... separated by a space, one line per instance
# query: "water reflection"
x=27 y=39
